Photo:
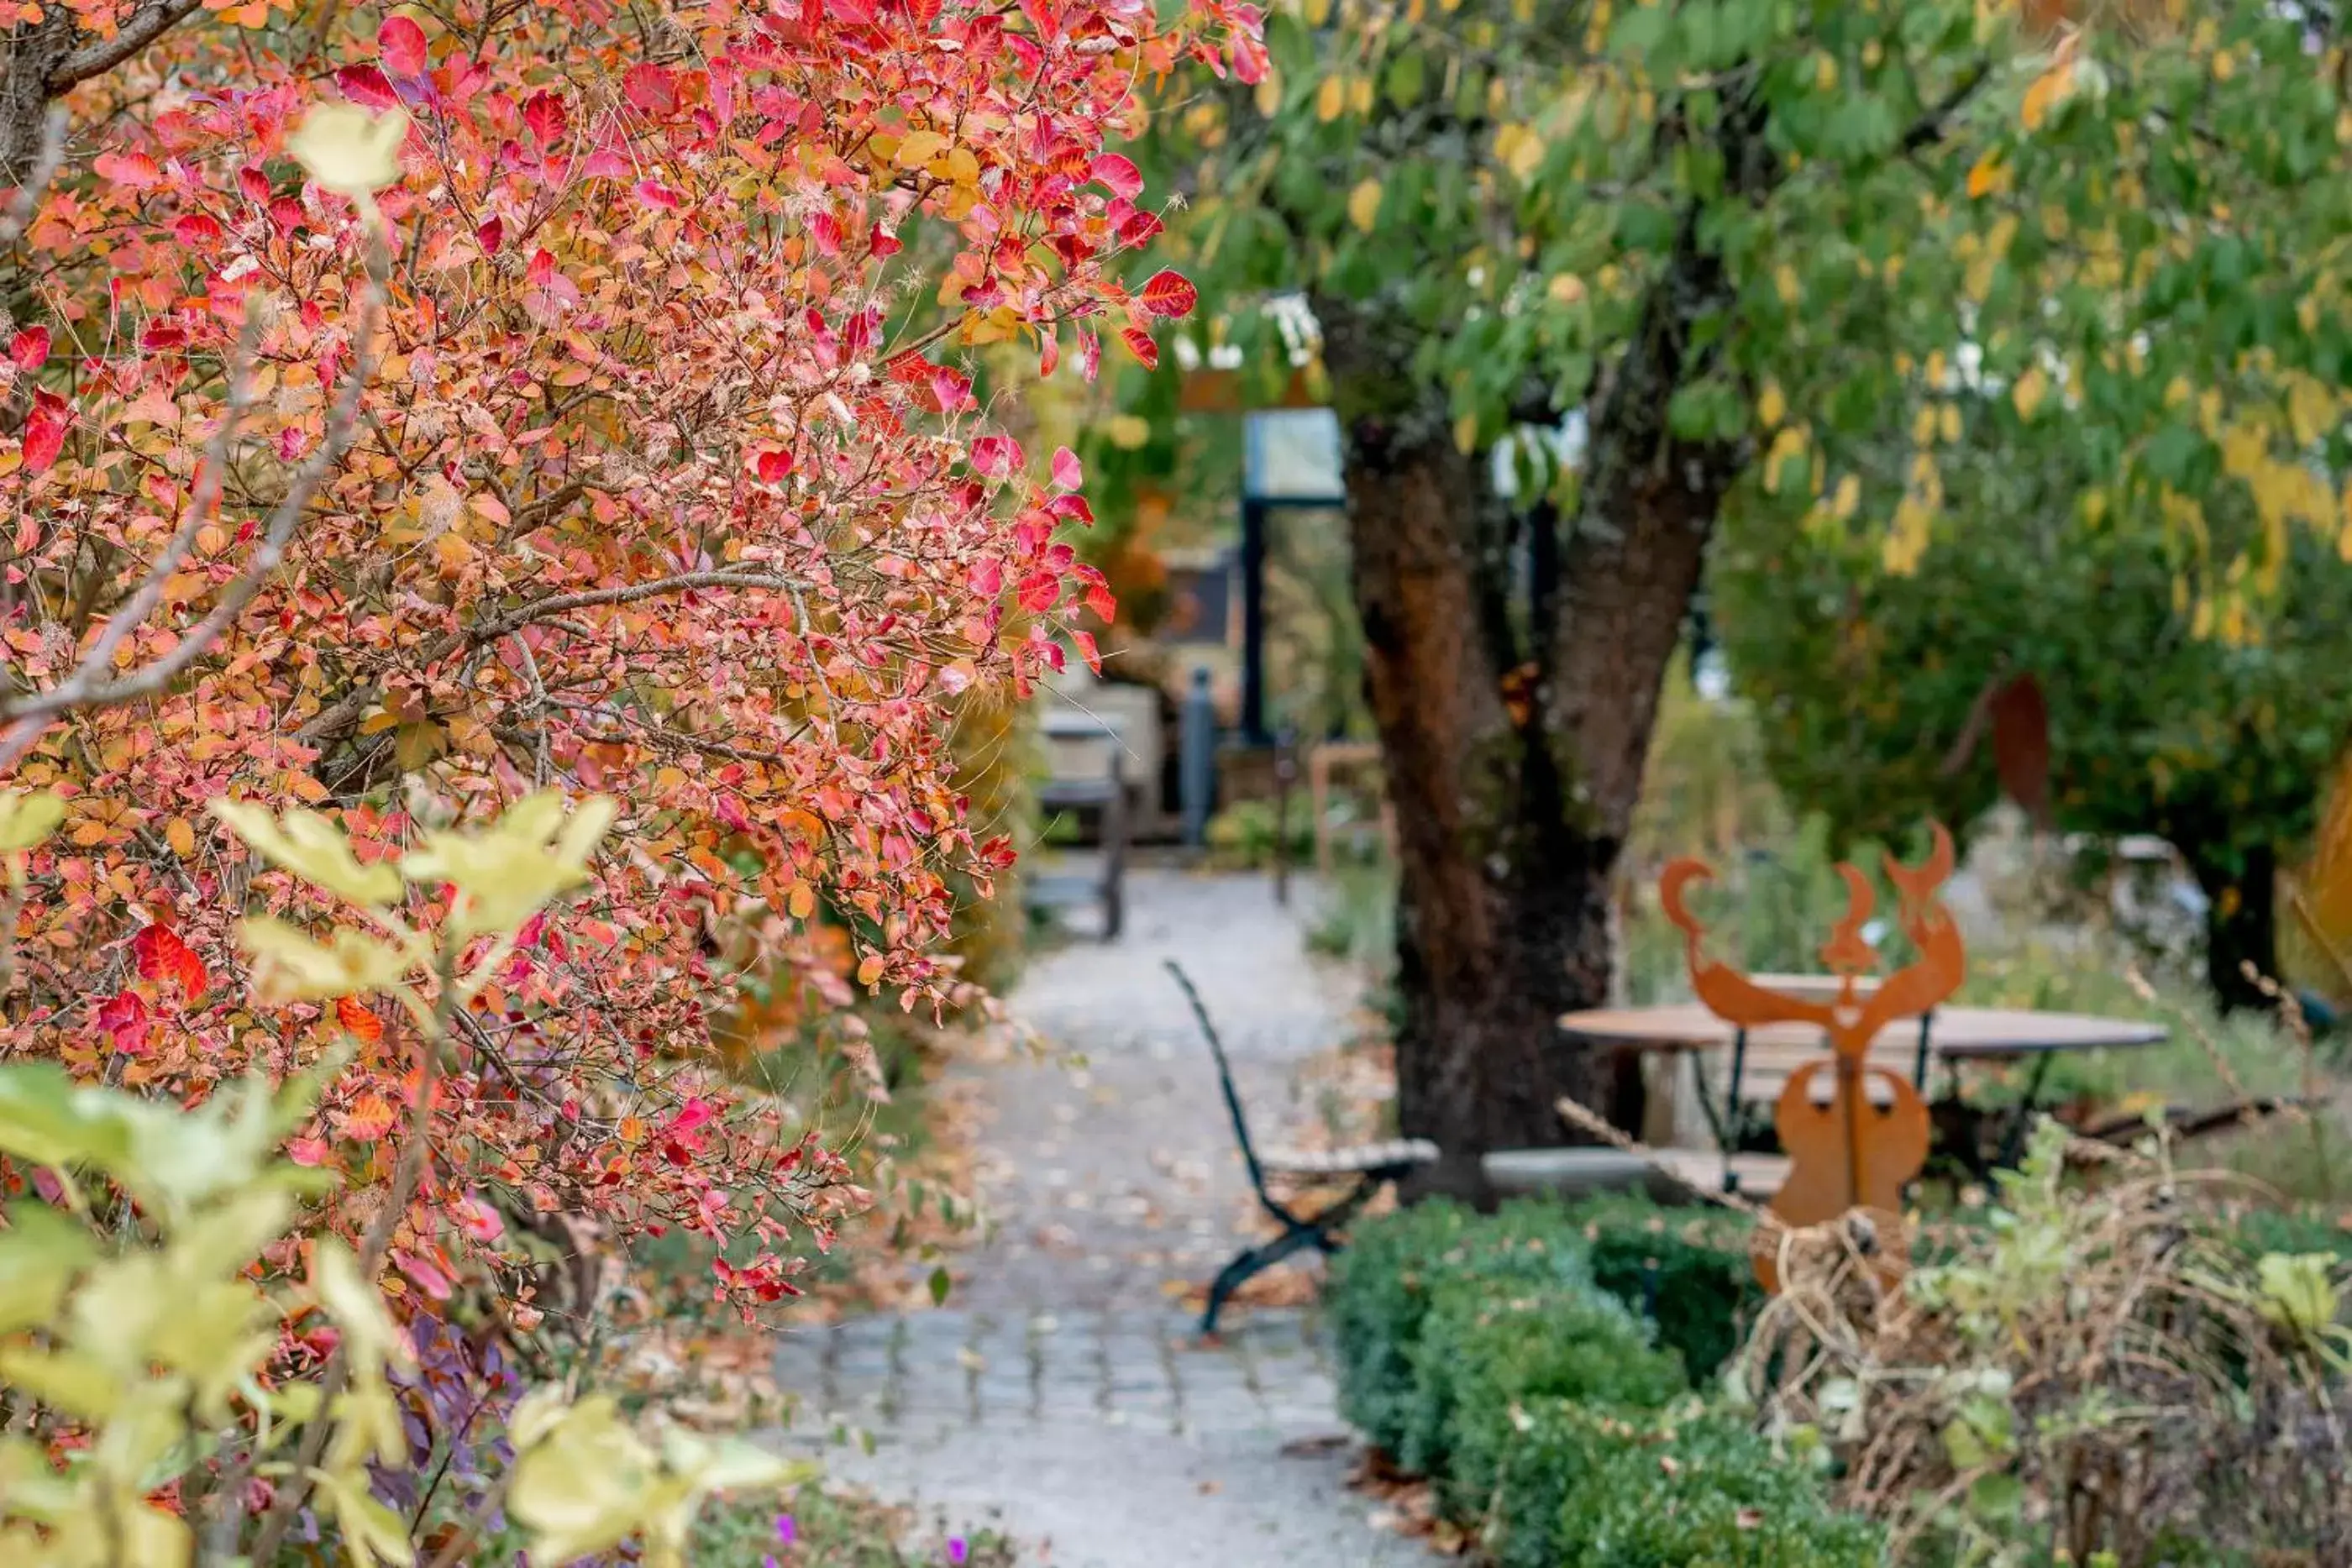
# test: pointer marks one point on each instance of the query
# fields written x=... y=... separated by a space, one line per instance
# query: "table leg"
x=2012 y=1147
x=1733 y=1107
x=1919 y=1070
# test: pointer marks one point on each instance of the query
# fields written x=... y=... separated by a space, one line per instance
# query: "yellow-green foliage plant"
x=152 y=1420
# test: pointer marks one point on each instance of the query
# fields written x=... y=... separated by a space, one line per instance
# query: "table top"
x=1986 y=1033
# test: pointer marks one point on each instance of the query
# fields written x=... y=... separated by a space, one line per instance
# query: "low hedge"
x=1687 y=1269
x=1507 y=1357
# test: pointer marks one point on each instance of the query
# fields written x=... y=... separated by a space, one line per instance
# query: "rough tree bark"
x=1515 y=706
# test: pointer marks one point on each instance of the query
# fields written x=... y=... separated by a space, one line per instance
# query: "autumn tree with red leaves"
x=638 y=460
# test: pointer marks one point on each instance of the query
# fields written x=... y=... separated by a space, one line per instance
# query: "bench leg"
x=1256 y=1261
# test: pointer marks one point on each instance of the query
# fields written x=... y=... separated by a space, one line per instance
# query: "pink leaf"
x=651 y=88
x=1141 y=344
x=1067 y=473
x=1169 y=293
x=400 y=44
x=1120 y=175
x=996 y=456
x=135 y=170
x=655 y=194
x=1049 y=353
x=30 y=348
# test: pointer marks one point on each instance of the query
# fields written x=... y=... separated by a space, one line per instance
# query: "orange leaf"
x=369 y=1117
x=358 y=1022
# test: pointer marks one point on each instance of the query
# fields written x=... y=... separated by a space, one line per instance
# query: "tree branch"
x=1928 y=129
x=150 y=23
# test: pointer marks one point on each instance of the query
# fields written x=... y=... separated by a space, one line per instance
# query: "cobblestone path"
x=1060 y=1394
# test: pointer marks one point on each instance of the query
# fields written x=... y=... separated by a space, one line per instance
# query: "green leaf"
x=939 y=1286
x=41 y=1253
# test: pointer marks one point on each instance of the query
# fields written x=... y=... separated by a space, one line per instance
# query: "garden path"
x=1060 y=1394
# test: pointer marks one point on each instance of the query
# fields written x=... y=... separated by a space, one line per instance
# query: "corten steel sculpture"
x=1847 y=1154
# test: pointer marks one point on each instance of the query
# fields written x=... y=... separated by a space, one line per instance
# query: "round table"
x=1962 y=1033
x=1954 y=1034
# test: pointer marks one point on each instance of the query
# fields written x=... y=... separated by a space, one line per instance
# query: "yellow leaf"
x=801 y=901
x=1784 y=279
x=1565 y=288
x=1360 y=94
x=869 y=968
x=1317 y=11
x=1849 y=497
x=1269 y=92
x=1770 y=406
x=1465 y=433
x=963 y=167
x=918 y=149
x=2031 y=389
x=1825 y=72
x=1331 y=98
x=1985 y=177
x=1950 y=422
x=1364 y=204
x=1923 y=425
x=181 y=837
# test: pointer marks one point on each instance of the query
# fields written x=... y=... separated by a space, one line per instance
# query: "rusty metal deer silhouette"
x=1846 y=1154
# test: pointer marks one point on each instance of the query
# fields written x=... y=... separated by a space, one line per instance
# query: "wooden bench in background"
x=1086 y=775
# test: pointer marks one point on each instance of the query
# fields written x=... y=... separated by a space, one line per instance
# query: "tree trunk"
x=2241 y=925
x=1515 y=708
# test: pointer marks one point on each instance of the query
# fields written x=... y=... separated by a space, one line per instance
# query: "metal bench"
x=1371 y=1165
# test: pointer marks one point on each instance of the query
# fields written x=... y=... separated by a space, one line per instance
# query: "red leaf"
x=1067 y=473
x=773 y=465
x=1138 y=228
x=1169 y=293
x=1038 y=592
x=651 y=88
x=1049 y=353
x=30 y=348
x=1120 y=175
x=367 y=87
x=1090 y=353
x=492 y=233
x=359 y=1020
x=309 y=1151
x=124 y=1016
x=254 y=184
x=655 y=194
x=1086 y=645
x=44 y=437
x=543 y=112
x=1141 y=344
x=160 y=954
x=195 y=229
x=400 y=44
x=882 y=244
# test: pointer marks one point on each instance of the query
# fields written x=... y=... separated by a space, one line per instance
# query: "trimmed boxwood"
x=1484 y=1350
x=1504 y=1358
x=1382 y=1285
x=1688 y=1270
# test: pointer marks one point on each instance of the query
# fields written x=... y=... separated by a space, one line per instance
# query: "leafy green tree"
x=1872 y=688
x=1748 y=241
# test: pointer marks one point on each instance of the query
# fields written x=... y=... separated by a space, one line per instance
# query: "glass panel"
x=1292 y=455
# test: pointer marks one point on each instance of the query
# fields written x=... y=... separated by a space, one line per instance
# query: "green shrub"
x=1704 y=1493
x=1381 y=1287
x=1587 y=1488
x=1486 y=1351
x=1687 y=1269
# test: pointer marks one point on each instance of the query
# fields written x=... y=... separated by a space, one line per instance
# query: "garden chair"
x=1372 y=1166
